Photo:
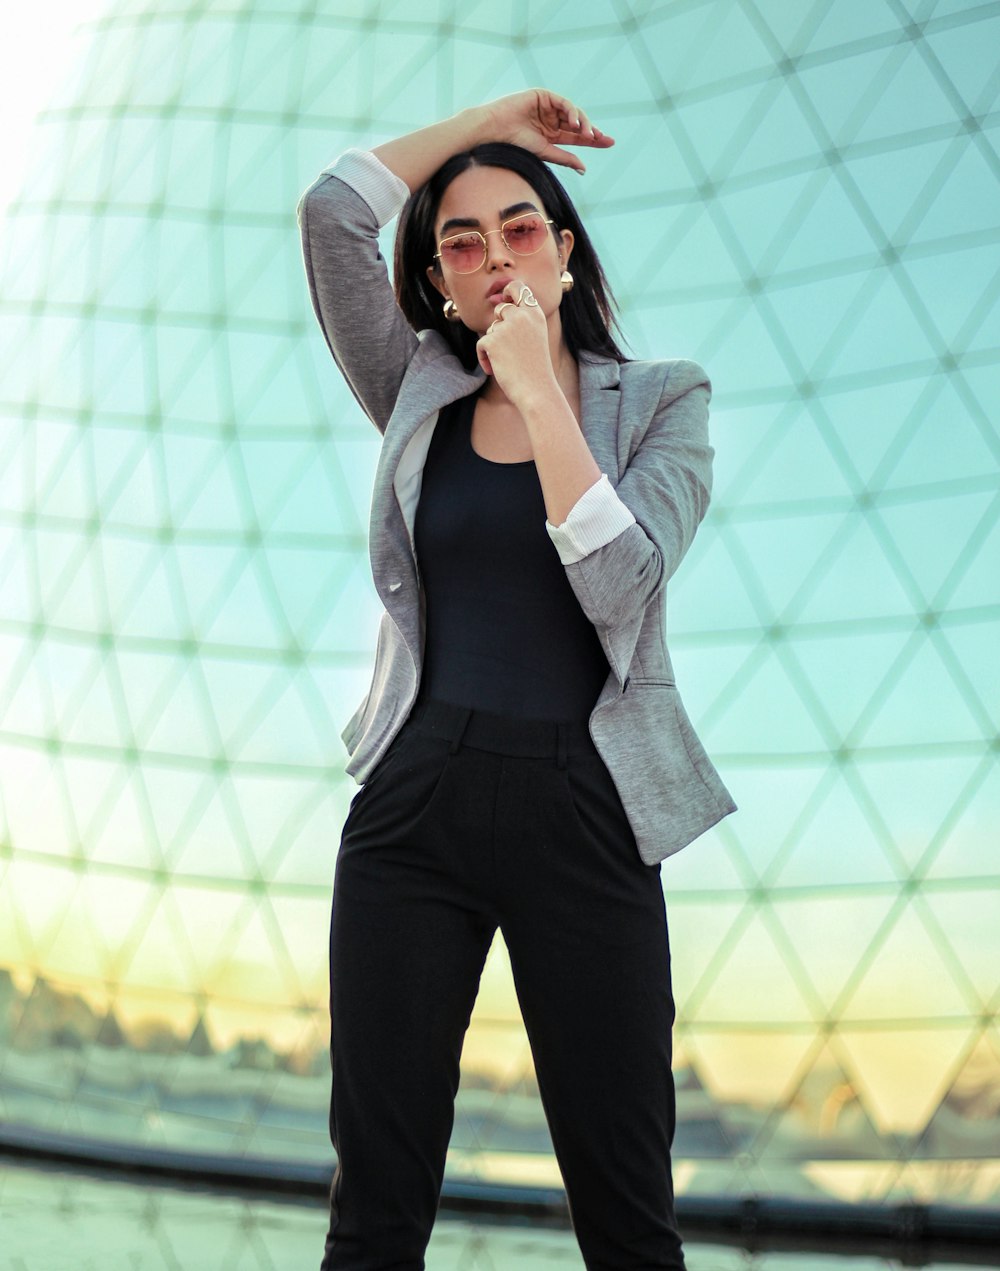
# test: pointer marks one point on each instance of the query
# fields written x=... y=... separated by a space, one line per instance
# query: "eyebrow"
x=470 y=222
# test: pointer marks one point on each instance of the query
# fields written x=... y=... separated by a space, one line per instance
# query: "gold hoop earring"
x=567 y=280
x=450 y=311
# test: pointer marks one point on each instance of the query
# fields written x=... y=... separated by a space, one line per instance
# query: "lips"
x=495 y=293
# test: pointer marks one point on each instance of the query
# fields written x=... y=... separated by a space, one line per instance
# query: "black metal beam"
x=913 y=1234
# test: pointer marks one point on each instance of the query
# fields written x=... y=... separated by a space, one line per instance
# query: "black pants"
x=470 y=822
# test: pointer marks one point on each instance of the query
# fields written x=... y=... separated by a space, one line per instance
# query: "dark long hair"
x=588 y=312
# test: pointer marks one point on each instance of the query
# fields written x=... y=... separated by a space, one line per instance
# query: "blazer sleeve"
x=339 y=218
x=667 y=488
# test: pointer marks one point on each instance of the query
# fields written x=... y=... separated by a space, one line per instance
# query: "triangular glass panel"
x=902 y=1074
x=906 y=978
x=754 y=985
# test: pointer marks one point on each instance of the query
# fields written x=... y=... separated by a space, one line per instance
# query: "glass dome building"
x=803 y=197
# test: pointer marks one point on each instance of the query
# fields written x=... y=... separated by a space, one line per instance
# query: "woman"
x=525 y=758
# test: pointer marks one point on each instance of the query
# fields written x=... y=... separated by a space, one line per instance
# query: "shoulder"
x=668 y=378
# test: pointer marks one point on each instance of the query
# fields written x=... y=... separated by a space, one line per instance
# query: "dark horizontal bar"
x=916 y=1234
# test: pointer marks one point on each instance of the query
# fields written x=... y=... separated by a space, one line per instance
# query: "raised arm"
x=536 y=120
x=339 y=218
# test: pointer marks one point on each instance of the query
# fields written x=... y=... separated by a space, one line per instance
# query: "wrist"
x=539 y=398
x=475 y=126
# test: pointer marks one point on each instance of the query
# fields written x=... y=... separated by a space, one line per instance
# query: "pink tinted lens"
x=525 y=235
x=464 y=253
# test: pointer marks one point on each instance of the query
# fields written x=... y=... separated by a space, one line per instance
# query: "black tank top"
x=504 y=630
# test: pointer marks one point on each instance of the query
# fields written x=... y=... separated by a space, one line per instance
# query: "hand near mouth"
x=515 y=347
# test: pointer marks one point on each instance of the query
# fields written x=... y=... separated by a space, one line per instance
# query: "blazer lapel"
x=600 y=400
x=434 y=386
x=435 y=378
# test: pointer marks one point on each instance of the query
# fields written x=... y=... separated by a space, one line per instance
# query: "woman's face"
x=482 y=198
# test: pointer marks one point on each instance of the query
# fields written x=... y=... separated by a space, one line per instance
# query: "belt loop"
x=561 y=745
x=463 y=723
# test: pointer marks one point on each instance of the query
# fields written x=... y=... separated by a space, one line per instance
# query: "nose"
x=498 y=253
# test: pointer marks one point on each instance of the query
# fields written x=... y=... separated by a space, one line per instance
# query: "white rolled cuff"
x=594 y=520
x=366 y=174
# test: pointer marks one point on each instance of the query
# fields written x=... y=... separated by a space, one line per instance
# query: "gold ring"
x=498 y=311
x=528 y=296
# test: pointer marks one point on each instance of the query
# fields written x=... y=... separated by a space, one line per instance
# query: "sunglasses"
x=466 y=252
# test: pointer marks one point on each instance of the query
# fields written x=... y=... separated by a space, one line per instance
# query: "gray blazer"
x=645 y=424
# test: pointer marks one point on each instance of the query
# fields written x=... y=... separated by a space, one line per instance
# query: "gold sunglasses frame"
x=479 y=234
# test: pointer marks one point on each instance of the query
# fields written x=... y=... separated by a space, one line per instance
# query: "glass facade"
x=803 y=197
